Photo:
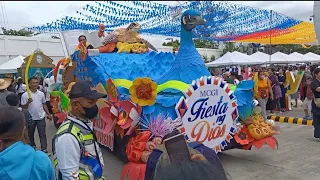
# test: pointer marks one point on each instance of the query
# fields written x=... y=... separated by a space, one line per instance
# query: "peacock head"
x=190 y=19
x=134 y=27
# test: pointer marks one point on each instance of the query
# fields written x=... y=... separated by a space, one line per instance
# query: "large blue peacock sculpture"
x=188 y=64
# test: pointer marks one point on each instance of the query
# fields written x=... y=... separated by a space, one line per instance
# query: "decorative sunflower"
x=143 y=91
x=243 y=136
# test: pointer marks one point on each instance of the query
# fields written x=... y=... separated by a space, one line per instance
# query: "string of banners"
x=225 y=21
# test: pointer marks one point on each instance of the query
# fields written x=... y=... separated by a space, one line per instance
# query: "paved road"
x=296 y=159
x=295 y=112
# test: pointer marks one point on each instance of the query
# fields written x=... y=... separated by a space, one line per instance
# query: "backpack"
x=208 y=153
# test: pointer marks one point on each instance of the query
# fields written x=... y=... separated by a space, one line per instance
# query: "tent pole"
x=270 y=52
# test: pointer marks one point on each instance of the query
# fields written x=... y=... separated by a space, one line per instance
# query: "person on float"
x=18 y=160
x=83 y=41
x=4 y=84
x=36 y=106
x=74 y=143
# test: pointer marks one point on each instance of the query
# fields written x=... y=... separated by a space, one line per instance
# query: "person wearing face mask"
x=76 y=153
x=18 y=160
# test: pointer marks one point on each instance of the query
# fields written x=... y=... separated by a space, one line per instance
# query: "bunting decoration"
x=226 y=21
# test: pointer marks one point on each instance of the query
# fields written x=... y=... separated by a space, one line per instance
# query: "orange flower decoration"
x=136 y=146
x=143 y=91
x=243 y=136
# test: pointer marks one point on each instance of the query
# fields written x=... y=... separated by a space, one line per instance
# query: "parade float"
x=150 y=94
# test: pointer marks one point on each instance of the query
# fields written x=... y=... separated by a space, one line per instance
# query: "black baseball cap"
x=83 y=88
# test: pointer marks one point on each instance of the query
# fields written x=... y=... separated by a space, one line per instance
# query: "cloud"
x=29 y=13
x=300 y=10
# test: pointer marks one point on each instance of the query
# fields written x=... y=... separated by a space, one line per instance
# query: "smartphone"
x=177 y=148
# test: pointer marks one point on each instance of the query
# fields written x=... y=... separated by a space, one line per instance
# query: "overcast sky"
x=21 y=14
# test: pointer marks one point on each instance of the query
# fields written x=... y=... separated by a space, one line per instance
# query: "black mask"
x=90 y=112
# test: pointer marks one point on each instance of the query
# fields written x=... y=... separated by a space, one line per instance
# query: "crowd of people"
x=271 y=89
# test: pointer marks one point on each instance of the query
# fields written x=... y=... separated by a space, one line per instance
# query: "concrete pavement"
x=296 y=159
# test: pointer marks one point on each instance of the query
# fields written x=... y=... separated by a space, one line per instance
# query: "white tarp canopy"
x=234 y=58
x=297 y=58
x=263 y=57
x=282 y=58
x=12 y=65
x=311 y=57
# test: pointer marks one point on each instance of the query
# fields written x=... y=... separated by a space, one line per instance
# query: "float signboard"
x=208 y=112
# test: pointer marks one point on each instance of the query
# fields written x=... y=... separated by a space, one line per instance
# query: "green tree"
x=205 y=44
x=213 y=58
x=229 y=47
x=290 y=48
x=12 y=32
x=197 y=42
x=175 y=44
x=205 y=58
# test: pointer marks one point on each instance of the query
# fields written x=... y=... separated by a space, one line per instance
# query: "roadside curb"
x=291 y=120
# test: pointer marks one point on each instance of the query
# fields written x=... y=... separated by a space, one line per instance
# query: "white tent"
x=12 y=65
x=296 y=57
x=234 y=58
x=282 y=58
x=263 y=57
x=311 y=57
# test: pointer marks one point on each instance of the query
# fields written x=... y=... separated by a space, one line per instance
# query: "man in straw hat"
x=4 y=84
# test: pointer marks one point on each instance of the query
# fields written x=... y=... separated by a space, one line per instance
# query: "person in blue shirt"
x=19 y=160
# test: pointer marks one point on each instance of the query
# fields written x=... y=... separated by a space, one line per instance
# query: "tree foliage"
x=290 y=48
x=205 y=44
x=197 y=42
x=229 y=47
x=213 y=58
x=12 y=32
x=205 y=58
x=174 y=44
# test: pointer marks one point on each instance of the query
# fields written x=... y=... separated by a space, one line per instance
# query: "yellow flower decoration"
x=143 y=91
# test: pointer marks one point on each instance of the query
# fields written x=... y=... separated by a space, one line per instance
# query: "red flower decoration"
x=271 y=141
x=133 y=171
x=243 y=136
x=136 y=145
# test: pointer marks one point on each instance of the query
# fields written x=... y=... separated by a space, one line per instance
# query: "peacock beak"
x=200 y=21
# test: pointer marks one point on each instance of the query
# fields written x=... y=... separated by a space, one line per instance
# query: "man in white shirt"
x=37 y=108
x=20 y=87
